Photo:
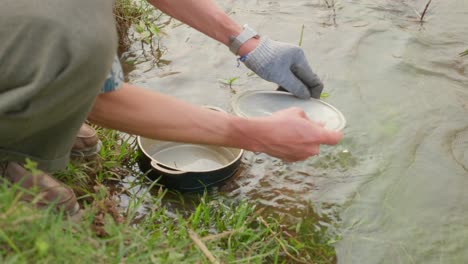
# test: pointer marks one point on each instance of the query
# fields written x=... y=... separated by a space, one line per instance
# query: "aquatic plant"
x=423 y=13
x=330 y=3
x=143 y=17
x=324 y=95
x=301 y=36
x=229 y=82
x=464 y=53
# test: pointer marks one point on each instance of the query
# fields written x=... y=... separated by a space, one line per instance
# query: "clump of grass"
x=217 y=231
x=126 y=13
x=116 y=159
x=206 y=230
x=144 y=19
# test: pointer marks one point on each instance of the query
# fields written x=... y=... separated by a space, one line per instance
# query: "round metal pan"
x=255 y=103
x=187 y=167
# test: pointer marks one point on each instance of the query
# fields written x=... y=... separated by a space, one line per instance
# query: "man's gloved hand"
x=286 y=65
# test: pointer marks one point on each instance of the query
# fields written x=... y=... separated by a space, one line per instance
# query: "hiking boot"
x=41 y=188
x=87 y=143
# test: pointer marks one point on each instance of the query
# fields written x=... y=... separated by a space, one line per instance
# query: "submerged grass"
x=464 y=53
x=423 y=14
x=143 y=20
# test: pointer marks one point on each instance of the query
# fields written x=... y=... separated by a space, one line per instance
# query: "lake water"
x=399 y=180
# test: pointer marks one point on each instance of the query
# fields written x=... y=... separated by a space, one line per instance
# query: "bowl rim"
x=237 y=110
x=140 y=145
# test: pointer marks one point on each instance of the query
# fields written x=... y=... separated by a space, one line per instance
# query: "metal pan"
x=187 y=167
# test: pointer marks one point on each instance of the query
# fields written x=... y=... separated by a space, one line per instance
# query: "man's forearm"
x=286 y=134
x=206 y=17
x=138 y=111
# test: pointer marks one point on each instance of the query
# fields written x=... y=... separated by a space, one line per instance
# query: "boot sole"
x=86 y=152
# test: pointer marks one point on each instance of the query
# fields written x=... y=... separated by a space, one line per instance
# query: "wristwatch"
x=246 y=34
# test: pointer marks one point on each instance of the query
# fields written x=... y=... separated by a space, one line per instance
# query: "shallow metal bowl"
x=187 y=167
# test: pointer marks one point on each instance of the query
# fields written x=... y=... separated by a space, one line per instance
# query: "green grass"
x=301 y=36
x=144 y=19
x=175 y=228
x=464 y=53
x=231 y=232
x=230 y=82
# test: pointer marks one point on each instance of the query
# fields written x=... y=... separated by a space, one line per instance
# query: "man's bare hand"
x=291 y=136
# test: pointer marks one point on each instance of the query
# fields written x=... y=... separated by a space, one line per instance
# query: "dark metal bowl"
x=187 y=167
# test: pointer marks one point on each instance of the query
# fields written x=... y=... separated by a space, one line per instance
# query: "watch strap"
x=244 y=36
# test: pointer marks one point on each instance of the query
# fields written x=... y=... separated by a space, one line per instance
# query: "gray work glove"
x=285 y=65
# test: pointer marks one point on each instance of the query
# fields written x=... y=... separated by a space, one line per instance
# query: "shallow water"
x=399 y=178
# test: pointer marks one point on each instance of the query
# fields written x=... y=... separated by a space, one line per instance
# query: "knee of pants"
x=56 y=43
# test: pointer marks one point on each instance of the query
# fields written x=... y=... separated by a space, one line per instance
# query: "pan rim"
x=140 y=145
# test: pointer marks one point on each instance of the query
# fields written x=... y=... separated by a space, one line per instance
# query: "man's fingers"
x=304 y=73
x=295 y=86
x=330 y=137
x=315 y=150
x=318 y=123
